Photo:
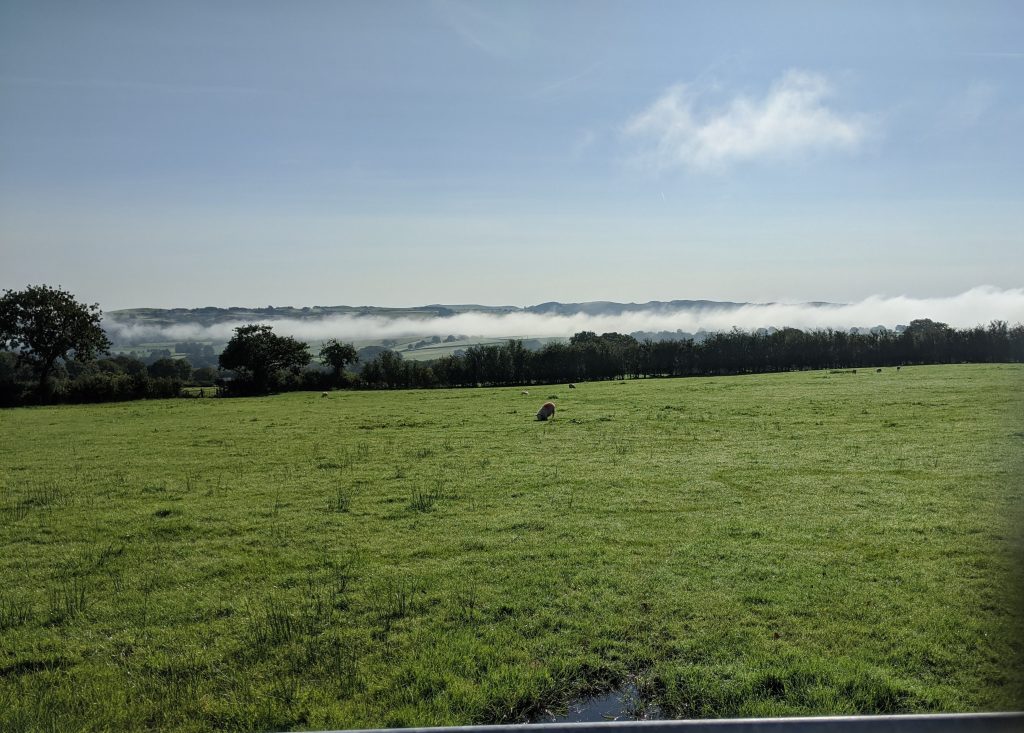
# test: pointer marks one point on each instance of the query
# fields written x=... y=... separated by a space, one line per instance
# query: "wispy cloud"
x=996 y=54
x=583 y=142
x=495 y=29
x=562 y=83
x=130 y=85
x=974 y=307
x=973 y=103
x=680 y=130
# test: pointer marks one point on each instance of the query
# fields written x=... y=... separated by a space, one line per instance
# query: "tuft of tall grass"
x=14 y=612
x=344 y=663
x=67 y=600
x=423 y=500
x=191 y=480
x=467 y=603
x=341 y=501
x=42 y=496
x=397 y=599
x=273 y=625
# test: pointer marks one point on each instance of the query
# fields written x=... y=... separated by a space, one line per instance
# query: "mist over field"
x=977 y=306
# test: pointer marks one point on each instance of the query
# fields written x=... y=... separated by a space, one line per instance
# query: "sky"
x=189 y=154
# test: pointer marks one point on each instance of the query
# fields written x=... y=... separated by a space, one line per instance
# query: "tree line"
x=588 y=356
x=53 y=349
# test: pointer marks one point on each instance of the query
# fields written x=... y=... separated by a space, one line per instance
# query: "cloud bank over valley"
x=978 y=306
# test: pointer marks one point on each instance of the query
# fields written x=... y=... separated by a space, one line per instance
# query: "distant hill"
x=609 y=308
x=209 y=316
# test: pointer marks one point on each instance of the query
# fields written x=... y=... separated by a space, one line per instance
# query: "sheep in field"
x=572 y=386
x=546 y=410
x=525 y=392
x=323 y=394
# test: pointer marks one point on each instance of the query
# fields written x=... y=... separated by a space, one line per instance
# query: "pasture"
x=768 y=545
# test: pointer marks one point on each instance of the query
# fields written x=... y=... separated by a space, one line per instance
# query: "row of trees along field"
x=54 y=350
x=588 y=356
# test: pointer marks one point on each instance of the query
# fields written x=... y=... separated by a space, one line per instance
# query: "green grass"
x=772 y=545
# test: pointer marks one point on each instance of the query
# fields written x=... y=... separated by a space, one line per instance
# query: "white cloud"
x=792 y=118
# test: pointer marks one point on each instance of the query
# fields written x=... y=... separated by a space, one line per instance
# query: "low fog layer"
x=978 y=306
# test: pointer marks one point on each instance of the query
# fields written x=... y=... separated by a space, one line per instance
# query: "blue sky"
x=188 y=154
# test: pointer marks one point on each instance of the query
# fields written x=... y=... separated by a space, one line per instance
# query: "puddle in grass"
x=621 y=704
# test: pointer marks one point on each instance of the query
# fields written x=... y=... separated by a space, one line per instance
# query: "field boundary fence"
x=942 y=723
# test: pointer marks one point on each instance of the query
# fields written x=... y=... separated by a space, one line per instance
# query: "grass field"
x=768 y=545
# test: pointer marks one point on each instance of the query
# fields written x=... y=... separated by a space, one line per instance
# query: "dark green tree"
x=204 y=376
x=43 y=324
x=258 y=356
x=169 y=368
x=392 y=369
x=338 y=355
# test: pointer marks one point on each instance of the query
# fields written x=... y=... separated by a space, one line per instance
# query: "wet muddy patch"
x=625 y=703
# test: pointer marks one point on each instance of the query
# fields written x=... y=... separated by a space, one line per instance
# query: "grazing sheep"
x=323 y=394
x=525 y=392
x=572 y=386
x=897 y=368
x=878 y=371
x=546 y=410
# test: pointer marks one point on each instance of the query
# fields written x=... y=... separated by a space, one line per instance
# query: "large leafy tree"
x=43 y=324
x=169 y=368
x=338 y=355
x=258 y=355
